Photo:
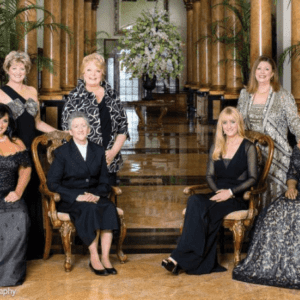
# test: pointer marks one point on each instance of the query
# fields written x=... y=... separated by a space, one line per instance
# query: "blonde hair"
x=253 y=84
x=220 y=139
x=98 y=60
x=18 y=57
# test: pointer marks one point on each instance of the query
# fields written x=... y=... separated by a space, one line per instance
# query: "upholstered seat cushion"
x=236 y=215
x=66 y=217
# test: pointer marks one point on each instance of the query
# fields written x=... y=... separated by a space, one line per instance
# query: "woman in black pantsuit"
x=231 y=170
x=79 y=174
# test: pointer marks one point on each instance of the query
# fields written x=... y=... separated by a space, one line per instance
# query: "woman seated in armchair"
x=231 y=170
x=79 y=174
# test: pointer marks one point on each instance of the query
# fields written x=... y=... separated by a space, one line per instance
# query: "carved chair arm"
x=190 y=190
x=44 y=190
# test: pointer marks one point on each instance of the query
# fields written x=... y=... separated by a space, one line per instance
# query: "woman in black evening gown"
x=14 y=221
x=231 y=170
x=274 y=254
x=24 y=104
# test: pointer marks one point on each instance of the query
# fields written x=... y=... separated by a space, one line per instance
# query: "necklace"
x=265 y=91
x=3 y=139
x=232 y=141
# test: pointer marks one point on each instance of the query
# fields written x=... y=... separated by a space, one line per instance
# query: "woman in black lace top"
x=15 y=172
x=231 y=170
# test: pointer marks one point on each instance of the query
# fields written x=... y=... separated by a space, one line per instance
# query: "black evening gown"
x=196 y=252
x=24 y=112
x=14 y=222
x=274 y=254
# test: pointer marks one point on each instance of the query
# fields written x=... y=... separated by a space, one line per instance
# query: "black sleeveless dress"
x=24 y=113
x=14 y=222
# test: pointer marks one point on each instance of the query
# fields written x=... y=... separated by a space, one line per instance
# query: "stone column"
x=205 y=46
x=261 y=29
x=51 y=82
x=218 y=69
x=67 y=49
x=196 y=35
x=78 y=37
x=189 y=43
x=94 y=27
x=29 y=43
x=87 y=26
x=296 y=58
x=233 y=69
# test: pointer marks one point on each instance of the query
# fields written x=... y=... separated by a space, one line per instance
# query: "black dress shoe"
x=170 y=266
x=111 y=271
x=99 y=272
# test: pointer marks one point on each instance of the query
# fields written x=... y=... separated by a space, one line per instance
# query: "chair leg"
x=123 y=229
x=48 y=238
x=238 y=230
x=66 y=230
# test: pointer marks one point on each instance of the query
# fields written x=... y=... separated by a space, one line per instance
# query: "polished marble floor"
x=159 y=161
x=140 y=278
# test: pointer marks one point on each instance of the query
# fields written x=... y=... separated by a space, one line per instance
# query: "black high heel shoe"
x=111 y=271
x=170 y=266
x=103 y=272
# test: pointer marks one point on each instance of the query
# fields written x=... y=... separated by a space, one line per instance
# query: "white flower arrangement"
x=155 y=47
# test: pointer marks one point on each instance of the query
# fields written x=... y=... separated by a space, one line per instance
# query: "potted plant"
x=152 y=49
x=13 y=29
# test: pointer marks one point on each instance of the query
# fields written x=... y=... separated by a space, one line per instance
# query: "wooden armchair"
x=56 y=220
x=240 y=221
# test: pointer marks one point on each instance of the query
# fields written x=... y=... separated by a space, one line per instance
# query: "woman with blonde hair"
x=95 y=97
x=268 y=108
x=231 y=170
x=23 y=101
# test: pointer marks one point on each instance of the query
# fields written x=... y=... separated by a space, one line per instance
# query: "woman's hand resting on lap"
x=221 y=195
x=12 y=197
x=291 y=193
x=88 y=197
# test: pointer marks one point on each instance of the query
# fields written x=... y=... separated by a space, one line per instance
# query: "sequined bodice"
x=18 y=107
x=256 y=117
x=9 y=166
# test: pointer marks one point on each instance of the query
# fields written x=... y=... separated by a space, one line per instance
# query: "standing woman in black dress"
x=96 y=98
x=231 y=170
x=23 y=101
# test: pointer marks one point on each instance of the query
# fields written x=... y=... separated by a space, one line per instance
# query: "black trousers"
x=196 y=252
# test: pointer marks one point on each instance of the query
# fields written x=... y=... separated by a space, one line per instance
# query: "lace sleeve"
x=252 y=175
x=210 y=171
x=295 y=160
x=23 y=159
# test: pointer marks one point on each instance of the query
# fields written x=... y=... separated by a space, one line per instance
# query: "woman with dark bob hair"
x=15 y=169
x=268 y=108
x=95 y=97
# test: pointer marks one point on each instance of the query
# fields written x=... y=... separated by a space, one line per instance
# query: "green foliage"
x=98 y=43
x=236 y=40
x=289 y=52
x=152 y=46
x=14 y=27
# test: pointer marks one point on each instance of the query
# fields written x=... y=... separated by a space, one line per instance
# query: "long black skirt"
x=196 y=252
x=89 y=217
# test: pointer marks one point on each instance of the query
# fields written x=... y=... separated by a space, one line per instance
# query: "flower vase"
x=149 y=84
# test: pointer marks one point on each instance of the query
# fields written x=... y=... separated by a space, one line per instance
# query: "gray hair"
x=78 y=114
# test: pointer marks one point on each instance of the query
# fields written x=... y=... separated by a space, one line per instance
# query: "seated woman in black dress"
x=231 y=170
x=79 y=174
x=15 y=169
